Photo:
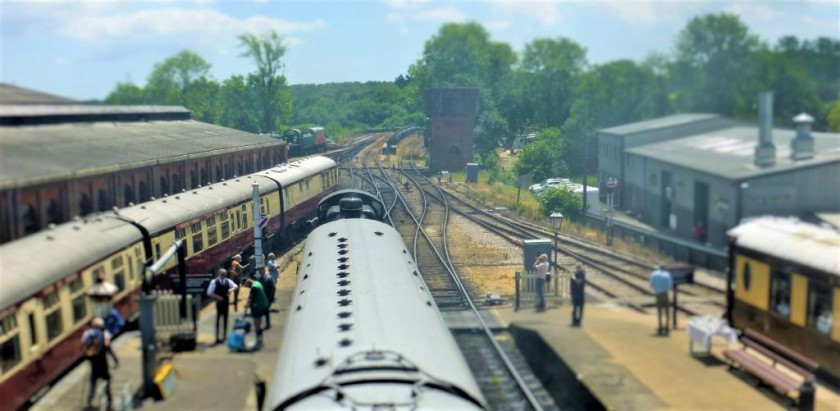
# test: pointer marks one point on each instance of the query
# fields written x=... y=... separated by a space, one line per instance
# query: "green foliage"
x=715 y=65
x=563 y=200
x=834 y=117
x=551 y=70
x=268 y=85
x=544 y=157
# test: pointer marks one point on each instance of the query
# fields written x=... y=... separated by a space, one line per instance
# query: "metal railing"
x=556 y=291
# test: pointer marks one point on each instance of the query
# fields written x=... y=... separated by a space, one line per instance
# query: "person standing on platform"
x=269 y=288
x=661 y=282
x=96 y=343
x=540 y=274
x=578 y=294
x=219 y=290
x=236 y=269
x=272 y=267
x=258 y=303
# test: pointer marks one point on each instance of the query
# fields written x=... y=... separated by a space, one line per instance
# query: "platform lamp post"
x=556 y=222
x=612 y=183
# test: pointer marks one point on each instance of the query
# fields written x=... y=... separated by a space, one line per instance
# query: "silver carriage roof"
x=383 y=307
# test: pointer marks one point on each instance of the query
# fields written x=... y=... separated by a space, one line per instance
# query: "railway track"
x=615 y=276
x=422 y=224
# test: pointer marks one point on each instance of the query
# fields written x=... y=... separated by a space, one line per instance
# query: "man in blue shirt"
x=661 y=282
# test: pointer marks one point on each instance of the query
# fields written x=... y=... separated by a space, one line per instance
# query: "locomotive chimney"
x=765 y=151
x=802 y=147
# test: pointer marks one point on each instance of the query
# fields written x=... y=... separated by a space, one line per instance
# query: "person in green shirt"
x=258 y=302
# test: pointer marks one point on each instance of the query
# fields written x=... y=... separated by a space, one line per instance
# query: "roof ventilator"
x=765 y=151
x=802 y=147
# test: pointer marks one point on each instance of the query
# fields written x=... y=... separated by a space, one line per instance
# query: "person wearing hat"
x=96 y=343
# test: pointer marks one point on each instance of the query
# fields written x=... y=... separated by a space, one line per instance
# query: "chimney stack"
x=802 y=147
x=765 y=151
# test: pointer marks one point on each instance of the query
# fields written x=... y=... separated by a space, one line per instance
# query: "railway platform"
x=618 y=357
x=209 y=378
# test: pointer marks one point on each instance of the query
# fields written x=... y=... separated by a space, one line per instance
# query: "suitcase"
x=236 y=340
x=242 y=324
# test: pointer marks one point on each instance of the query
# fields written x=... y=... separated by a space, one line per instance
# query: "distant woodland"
x=550 y=88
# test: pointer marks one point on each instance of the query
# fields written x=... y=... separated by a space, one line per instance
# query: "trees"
x=716 y=58
x=561 y=199
x=268 y=84
x=171 y=78
x=544 y=157
x=551 y=68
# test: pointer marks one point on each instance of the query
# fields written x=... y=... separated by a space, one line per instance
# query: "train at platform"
x=784 y=282
x=305 y=141
x=363 y=330
x=44 y=306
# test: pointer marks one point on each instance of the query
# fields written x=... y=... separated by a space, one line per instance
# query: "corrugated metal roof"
x=41 y=110
x=728 y=153
x=658 y=123
x=11 y=94
x=793 y=240
x=38 y=154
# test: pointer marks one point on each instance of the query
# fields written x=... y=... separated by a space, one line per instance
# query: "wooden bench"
x=769 y=374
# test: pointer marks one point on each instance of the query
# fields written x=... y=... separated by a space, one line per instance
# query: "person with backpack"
x=269 y=288
x=96 y=343
x=220 y=289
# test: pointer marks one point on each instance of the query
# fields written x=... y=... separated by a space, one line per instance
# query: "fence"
x=556 y=291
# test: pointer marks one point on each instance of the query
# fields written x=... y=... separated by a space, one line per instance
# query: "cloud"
x=176 y=22
x=405 y=4
x=498 y=24
x=441 y=14
x=546 y=12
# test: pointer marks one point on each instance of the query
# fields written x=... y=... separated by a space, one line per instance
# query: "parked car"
x=551 y=183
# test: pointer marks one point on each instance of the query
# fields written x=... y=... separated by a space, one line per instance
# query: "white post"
x=258 y=252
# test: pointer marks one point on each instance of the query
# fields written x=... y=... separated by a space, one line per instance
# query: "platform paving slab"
x=209 y=378
x=618 y=356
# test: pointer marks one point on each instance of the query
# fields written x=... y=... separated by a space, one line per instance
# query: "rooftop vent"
x=802 y=147
x=765 y=151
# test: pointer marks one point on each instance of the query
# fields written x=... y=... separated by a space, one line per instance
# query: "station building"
x=60 y=158
x=699 y=169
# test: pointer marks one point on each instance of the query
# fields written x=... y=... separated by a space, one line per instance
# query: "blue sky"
x=81 y=49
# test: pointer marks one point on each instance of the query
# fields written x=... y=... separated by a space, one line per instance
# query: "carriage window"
x=211 y=231
x=180 y=233
x=79 y=300
x=54 y=324
x=244 y=216
x=819 y=307
x=9 y=343
x=79 y=308
x=53 y=315
x=99 y=272
x=197 y=239
x=780 y=293
x=33 y=333
x=76 y=285
x=263 y=206
x=224 y=224
x=119 y=280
